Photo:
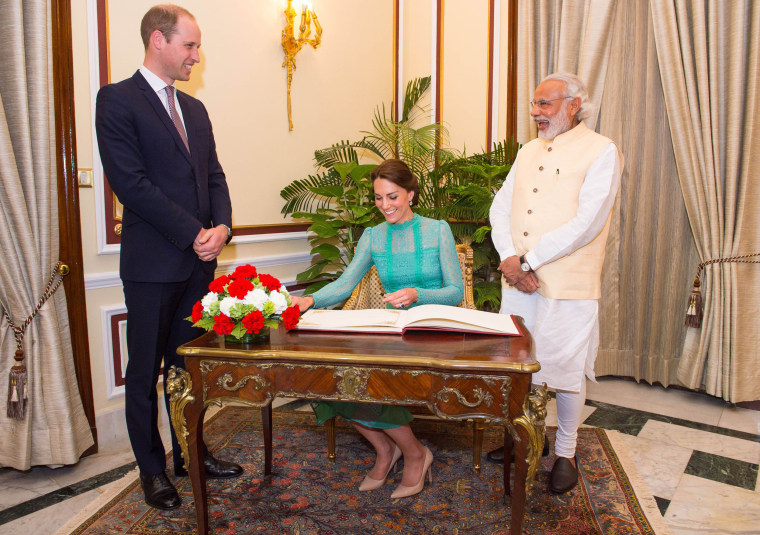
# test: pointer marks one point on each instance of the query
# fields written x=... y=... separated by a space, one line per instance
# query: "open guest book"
x=423 y=317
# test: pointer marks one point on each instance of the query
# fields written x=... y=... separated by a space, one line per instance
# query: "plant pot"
x=249 y=338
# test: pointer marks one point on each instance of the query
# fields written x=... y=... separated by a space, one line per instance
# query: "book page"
x=450 y=317
x=421 y=317
x=340 y=319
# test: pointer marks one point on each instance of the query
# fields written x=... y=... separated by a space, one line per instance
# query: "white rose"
x=279 y=302
x=226 y=304
x=208 y=300
x=257 y=298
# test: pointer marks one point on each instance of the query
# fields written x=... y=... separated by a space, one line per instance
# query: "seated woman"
x=417 y=263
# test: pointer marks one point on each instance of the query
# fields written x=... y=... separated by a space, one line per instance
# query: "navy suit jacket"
x=168 y=194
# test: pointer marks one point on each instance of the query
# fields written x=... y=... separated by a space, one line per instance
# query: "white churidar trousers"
x=566 y=337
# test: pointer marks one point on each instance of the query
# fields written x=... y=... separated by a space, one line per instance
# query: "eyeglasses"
x=544 y=104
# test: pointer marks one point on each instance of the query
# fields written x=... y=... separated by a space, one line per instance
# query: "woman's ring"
x=402 y=305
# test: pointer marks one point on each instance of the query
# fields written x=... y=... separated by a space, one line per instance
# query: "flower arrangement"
x=243 y=303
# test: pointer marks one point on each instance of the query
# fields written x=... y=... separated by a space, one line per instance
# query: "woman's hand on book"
x=402 y=298
x=303 y=303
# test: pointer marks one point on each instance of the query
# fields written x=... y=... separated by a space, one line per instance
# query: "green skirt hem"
x=369 y=414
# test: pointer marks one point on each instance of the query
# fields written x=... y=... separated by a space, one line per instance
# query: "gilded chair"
x=369 y=294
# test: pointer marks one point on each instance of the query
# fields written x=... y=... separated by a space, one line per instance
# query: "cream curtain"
x=55 y=430
x=712 y=92
x=650 y=249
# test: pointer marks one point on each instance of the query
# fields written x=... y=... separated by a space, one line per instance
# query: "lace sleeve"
x=452 y=291
x=341 y=288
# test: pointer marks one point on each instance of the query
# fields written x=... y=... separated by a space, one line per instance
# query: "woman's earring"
x=410 y=203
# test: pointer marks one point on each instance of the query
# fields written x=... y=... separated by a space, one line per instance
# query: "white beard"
x=561 y=123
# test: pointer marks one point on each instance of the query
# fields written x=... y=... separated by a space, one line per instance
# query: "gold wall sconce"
x=292 y=45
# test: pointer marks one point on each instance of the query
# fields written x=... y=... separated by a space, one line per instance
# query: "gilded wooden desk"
x=456 y=376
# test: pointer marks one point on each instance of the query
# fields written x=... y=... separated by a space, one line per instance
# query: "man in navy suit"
x=159 y=155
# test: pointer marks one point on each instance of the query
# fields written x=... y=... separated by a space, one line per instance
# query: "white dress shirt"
x=159 y=87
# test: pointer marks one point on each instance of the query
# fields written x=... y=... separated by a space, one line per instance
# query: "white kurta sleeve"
x=501 y=209
x=595 y=201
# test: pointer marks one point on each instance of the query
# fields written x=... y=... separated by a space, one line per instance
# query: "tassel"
x=17 y=398
x=694 y=311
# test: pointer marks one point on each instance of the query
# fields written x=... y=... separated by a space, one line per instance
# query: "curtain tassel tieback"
x=17 y=397
x=694 y=309
x=19 y=375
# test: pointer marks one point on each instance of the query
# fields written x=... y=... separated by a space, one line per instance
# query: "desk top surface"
x=417 y=349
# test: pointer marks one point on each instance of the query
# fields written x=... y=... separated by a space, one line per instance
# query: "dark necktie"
x=175 y=116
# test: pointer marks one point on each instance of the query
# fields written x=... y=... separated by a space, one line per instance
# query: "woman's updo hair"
x=399 y=173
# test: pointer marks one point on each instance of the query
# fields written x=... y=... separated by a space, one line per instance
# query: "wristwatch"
x=229 y=232
x=524 y=264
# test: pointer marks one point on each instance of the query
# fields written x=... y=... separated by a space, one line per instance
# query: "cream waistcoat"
x=548 y=180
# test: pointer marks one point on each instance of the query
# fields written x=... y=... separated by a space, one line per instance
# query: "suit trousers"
x=156 y=327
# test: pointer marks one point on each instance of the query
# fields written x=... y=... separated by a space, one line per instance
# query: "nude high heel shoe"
x=372 y=484
x=403 y=491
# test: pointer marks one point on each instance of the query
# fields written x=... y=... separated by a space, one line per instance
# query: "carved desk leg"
x=266 y=424
x=519 y=495
x=478 y=426
x=528 y=447
x=330 y=430
x=187 y=419
x=533 y=421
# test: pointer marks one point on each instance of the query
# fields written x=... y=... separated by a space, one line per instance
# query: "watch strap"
x=229 y=232
x=524 y=262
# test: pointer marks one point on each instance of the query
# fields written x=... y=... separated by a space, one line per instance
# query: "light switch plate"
x=84 y=178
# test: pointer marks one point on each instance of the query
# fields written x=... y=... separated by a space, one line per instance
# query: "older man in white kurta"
x=550 y=223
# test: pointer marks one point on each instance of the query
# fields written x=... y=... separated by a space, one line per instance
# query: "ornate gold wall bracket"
x=178 y=386
x=533 y=421
x=292 y=45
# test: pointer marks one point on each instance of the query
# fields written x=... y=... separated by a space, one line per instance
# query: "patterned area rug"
x=308 y=494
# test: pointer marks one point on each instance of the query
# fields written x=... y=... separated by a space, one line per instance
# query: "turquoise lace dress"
x=419 y=253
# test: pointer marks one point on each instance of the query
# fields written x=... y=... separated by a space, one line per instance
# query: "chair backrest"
x=369 y=292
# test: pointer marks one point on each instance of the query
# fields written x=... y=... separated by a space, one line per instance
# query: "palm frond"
x=371 y=145
x=299 y=196
x=385 y=133
x=502 y=153
x=415 y=89
x=342 y=151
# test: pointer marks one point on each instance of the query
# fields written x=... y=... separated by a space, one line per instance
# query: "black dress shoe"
x=564 y=475
x=159 y=491
x=215 y=468
x=497 y=456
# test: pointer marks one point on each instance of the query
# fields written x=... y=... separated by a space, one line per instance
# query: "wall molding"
x=262 y=238
x=113 y=320
x=98 y=178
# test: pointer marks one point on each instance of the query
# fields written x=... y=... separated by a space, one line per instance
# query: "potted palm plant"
x=339 y=203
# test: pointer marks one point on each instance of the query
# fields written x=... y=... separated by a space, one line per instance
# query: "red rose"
x=223 y=324
x=239 y=287
x=197 y=312
x=217 y=285
x=269 y=282
x=253 y=322
x=244 y=272
x=290 y=317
